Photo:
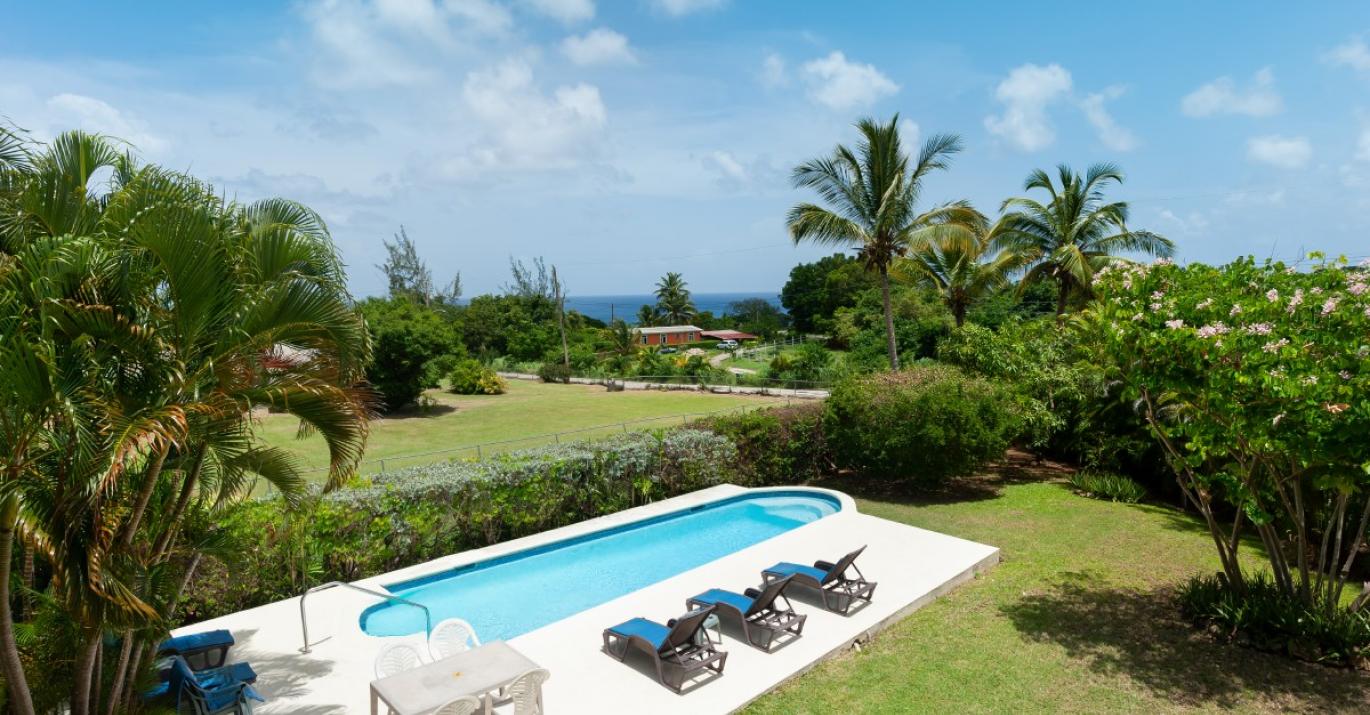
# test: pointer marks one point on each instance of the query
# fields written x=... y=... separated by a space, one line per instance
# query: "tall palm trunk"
x=21 y=700
x=891 y=344
x=85 y=672
x=154 y=471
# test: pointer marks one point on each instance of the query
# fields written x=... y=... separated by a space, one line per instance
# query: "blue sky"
x=621 y=140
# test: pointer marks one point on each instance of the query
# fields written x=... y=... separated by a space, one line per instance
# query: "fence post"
x=556 y=437
x=382 y=466
x=478 y=454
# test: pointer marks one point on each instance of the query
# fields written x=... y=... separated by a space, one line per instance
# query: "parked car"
x=727 y=345
x=667 y=350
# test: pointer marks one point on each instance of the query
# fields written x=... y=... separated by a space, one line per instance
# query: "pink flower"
x=1174 y=324
x=1217 y=328
x=1259 y=329
x=1296 y=300
x=1310 y=380
x=1357 y=288
x=1164 y=262
x=1329 y=306
x=1157 y=295
x=1204 y=304
x=1236 y=310
x=1274 y=347
x=1137 y=317
x=1344 y=374
x=1272 y=295
x=1156 y=306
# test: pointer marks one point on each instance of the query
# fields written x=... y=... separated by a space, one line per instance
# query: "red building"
x=668 y=335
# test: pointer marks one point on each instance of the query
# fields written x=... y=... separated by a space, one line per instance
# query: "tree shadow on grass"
x=1140 y=635
x=1016 y=467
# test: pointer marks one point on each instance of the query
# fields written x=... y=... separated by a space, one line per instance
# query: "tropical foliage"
x=1075 y=234
x=872 y=194
x=673 y=304
x=963 y=267
x=1253 y=378
x=141 y=322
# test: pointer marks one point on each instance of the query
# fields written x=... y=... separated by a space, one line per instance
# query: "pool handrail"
x=304 y=622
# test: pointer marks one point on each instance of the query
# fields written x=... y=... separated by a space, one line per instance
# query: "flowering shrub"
x=1254 y=378
x=470 y=377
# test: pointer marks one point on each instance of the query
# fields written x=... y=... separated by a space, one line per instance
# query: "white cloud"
x=1026 y=93
x=1354 y=54
x=726 y=164
x=1283 y=152
x=1363 y=144
x=910 y=134
x=1110 y=133
x=567 y=11
x=597 y=47
x=94 y=115
x=1191 y=223
x=773 y=72
x=1222 y=96
x=680 y=8
x=381 y=43
x=525 y=128
x=840 y=84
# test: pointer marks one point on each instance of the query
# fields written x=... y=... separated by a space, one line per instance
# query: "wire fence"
x=381 y=465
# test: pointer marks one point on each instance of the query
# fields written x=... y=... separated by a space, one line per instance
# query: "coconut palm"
x=1075 y=233
x=673 y=303
x=963 y=269
x=145 y=325
x=647 y=316
x=872 y=194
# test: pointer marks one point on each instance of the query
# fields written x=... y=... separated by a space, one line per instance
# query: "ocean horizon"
x=625 y=306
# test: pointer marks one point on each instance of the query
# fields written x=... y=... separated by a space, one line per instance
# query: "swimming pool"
x=513 y=594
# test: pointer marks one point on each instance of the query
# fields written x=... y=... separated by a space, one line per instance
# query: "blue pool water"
x=514 y=594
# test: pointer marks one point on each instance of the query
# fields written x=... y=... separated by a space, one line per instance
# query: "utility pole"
x=561 y=317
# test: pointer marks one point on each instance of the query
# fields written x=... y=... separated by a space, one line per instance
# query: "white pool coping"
x=912 y=566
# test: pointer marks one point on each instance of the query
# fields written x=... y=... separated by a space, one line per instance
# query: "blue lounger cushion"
x=650 y=631
x=718 y=595
x=196 y=642
x=786 y=568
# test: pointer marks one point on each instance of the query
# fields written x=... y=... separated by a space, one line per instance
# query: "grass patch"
x=519 y=418
x=1079 y=617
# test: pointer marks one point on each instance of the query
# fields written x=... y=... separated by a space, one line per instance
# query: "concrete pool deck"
x=912 y=566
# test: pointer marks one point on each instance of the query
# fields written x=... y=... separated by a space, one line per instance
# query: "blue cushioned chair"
x=839 y=591
x=677 y=651
x=763 y=621
x=214 y=691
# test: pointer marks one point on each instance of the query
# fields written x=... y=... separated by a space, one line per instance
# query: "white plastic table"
x=478 y=672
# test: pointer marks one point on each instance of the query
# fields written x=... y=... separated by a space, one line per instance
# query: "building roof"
x=659 y=329
x=728 y=335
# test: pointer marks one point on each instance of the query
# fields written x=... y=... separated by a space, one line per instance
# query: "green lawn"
x=1077 y=618
x=522 y=416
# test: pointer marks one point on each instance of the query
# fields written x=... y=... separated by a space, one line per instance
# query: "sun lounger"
x=839 y=591
x=762 y=620
x=677 y=651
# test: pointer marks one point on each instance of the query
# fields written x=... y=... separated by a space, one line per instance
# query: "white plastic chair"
x=461 y=706
x=397 y=658
x=526 y=692
x=450 y=637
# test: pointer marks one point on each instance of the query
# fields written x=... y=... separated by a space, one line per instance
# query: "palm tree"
x=647 y=316
x=141 y=328
x=962 y=269
x=673 y=300
x=872 y=195
x=1075 y=233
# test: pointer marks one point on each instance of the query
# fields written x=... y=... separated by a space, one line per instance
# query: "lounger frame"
x=762 y=626
x=839 y=592
x=680 y=658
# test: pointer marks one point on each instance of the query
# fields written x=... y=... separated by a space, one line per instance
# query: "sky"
x=622 y=140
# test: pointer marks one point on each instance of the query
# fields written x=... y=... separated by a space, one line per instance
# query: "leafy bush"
x=469 y=377
x=410 y=516
x=775 y=446
x=554 y=372
x=1267 y=618
x=1107 y=486
x=803 y=366
x=923 y=424
x=405 y=337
